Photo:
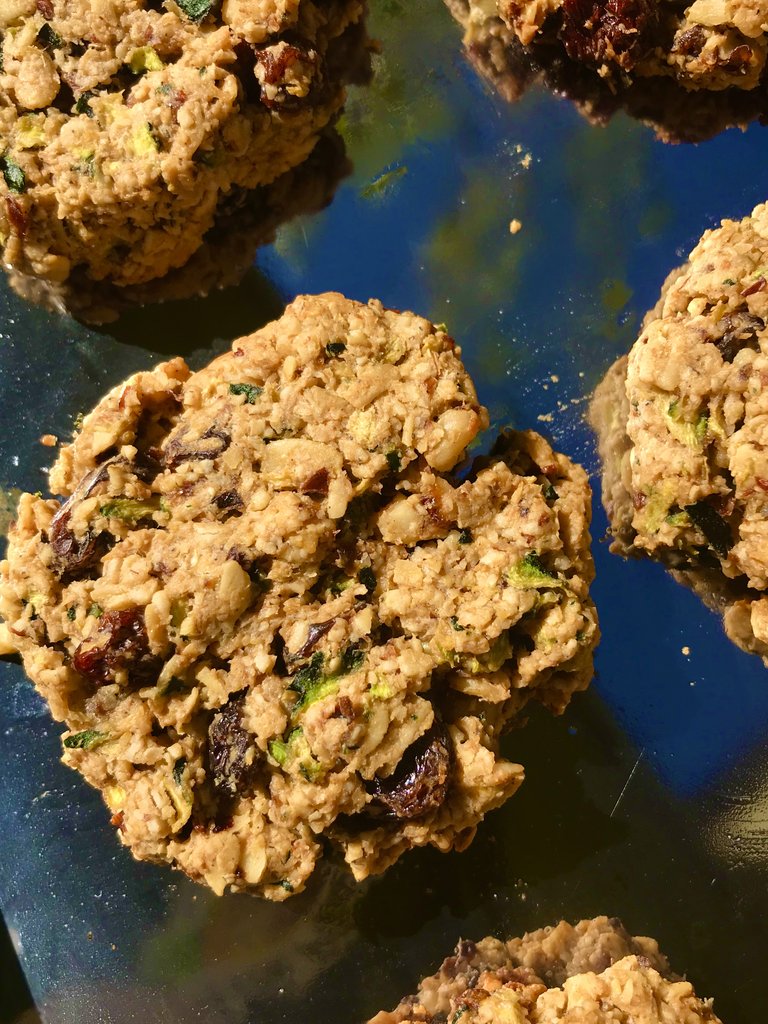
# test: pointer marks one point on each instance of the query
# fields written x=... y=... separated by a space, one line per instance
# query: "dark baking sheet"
x=648 y=799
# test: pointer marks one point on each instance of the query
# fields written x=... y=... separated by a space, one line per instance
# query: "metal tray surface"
x=648 y=799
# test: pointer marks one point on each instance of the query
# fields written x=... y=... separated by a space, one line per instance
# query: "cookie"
x=245 y=220
x=124 y=128
x=705 y=45
x=593 y=973
x=271 y=610
x=682 y=429
x=675 y=112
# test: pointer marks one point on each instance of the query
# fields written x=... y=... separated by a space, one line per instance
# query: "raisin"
x=314 y=635
x=757 y=286
x=228 y=501
x=608 y=31
x=73 y=555
x=690 y=43
x=736 y=331
x=16 y=216
x=119 y=653
x=419 y=783
x=712 y=525
x=738 y=60
x=208 y=446
x=317 y=483
x=228 y=744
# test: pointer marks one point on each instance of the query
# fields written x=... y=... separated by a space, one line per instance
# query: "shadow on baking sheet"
x=183 y=326
x=341 y=951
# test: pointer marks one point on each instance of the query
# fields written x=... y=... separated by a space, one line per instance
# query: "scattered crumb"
x=525 y=161
x=89 y=936
x=49 y=440
x=113 y=947
x=515 y=226
x=686 y=651
x=555 y=379
x=547 y=418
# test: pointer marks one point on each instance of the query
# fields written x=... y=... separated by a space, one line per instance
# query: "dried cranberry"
x=419 y=783
x=119 y=653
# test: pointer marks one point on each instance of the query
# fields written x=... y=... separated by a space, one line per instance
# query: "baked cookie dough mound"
x=707 y=44
x=683 y=429
x=124 y=123
x=593 y=973
x=675 y=113
x=268 y=612
x=245 y=220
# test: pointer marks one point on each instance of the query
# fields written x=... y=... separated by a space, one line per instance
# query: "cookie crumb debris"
x=515 y=226
x=685 y=650
x=233 y=606
x=49 y=440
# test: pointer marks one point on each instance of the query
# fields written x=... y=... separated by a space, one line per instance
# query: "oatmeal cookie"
x=708 y=44
x=269 y=612
x=124 y=124
x=245 y=220
x=593 y=973
x=674 y=112
x=682 y=428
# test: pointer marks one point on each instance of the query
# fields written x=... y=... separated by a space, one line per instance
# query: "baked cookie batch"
x=282 y=601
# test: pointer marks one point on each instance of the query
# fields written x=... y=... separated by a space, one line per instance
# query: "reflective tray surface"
x=648 y=799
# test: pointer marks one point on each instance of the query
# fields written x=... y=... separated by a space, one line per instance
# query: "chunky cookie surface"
x=709 y=44
x=682 y=427
x=125 y=122
x=665 y=103
x=590 y=973
x=268 y=610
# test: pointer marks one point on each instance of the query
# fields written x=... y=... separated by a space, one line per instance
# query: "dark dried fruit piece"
x=208 y=446
x=613 y=32
x=228 y=501
x=758 y=285
x=315 y=633
x=737 y=331
x=228 y=744
x=690 y=43
x=317 y=483
x=419 y=783
x=74 y=554
x=17 y=216
x=273 y=69
x=713 y=526
x=119 y=652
